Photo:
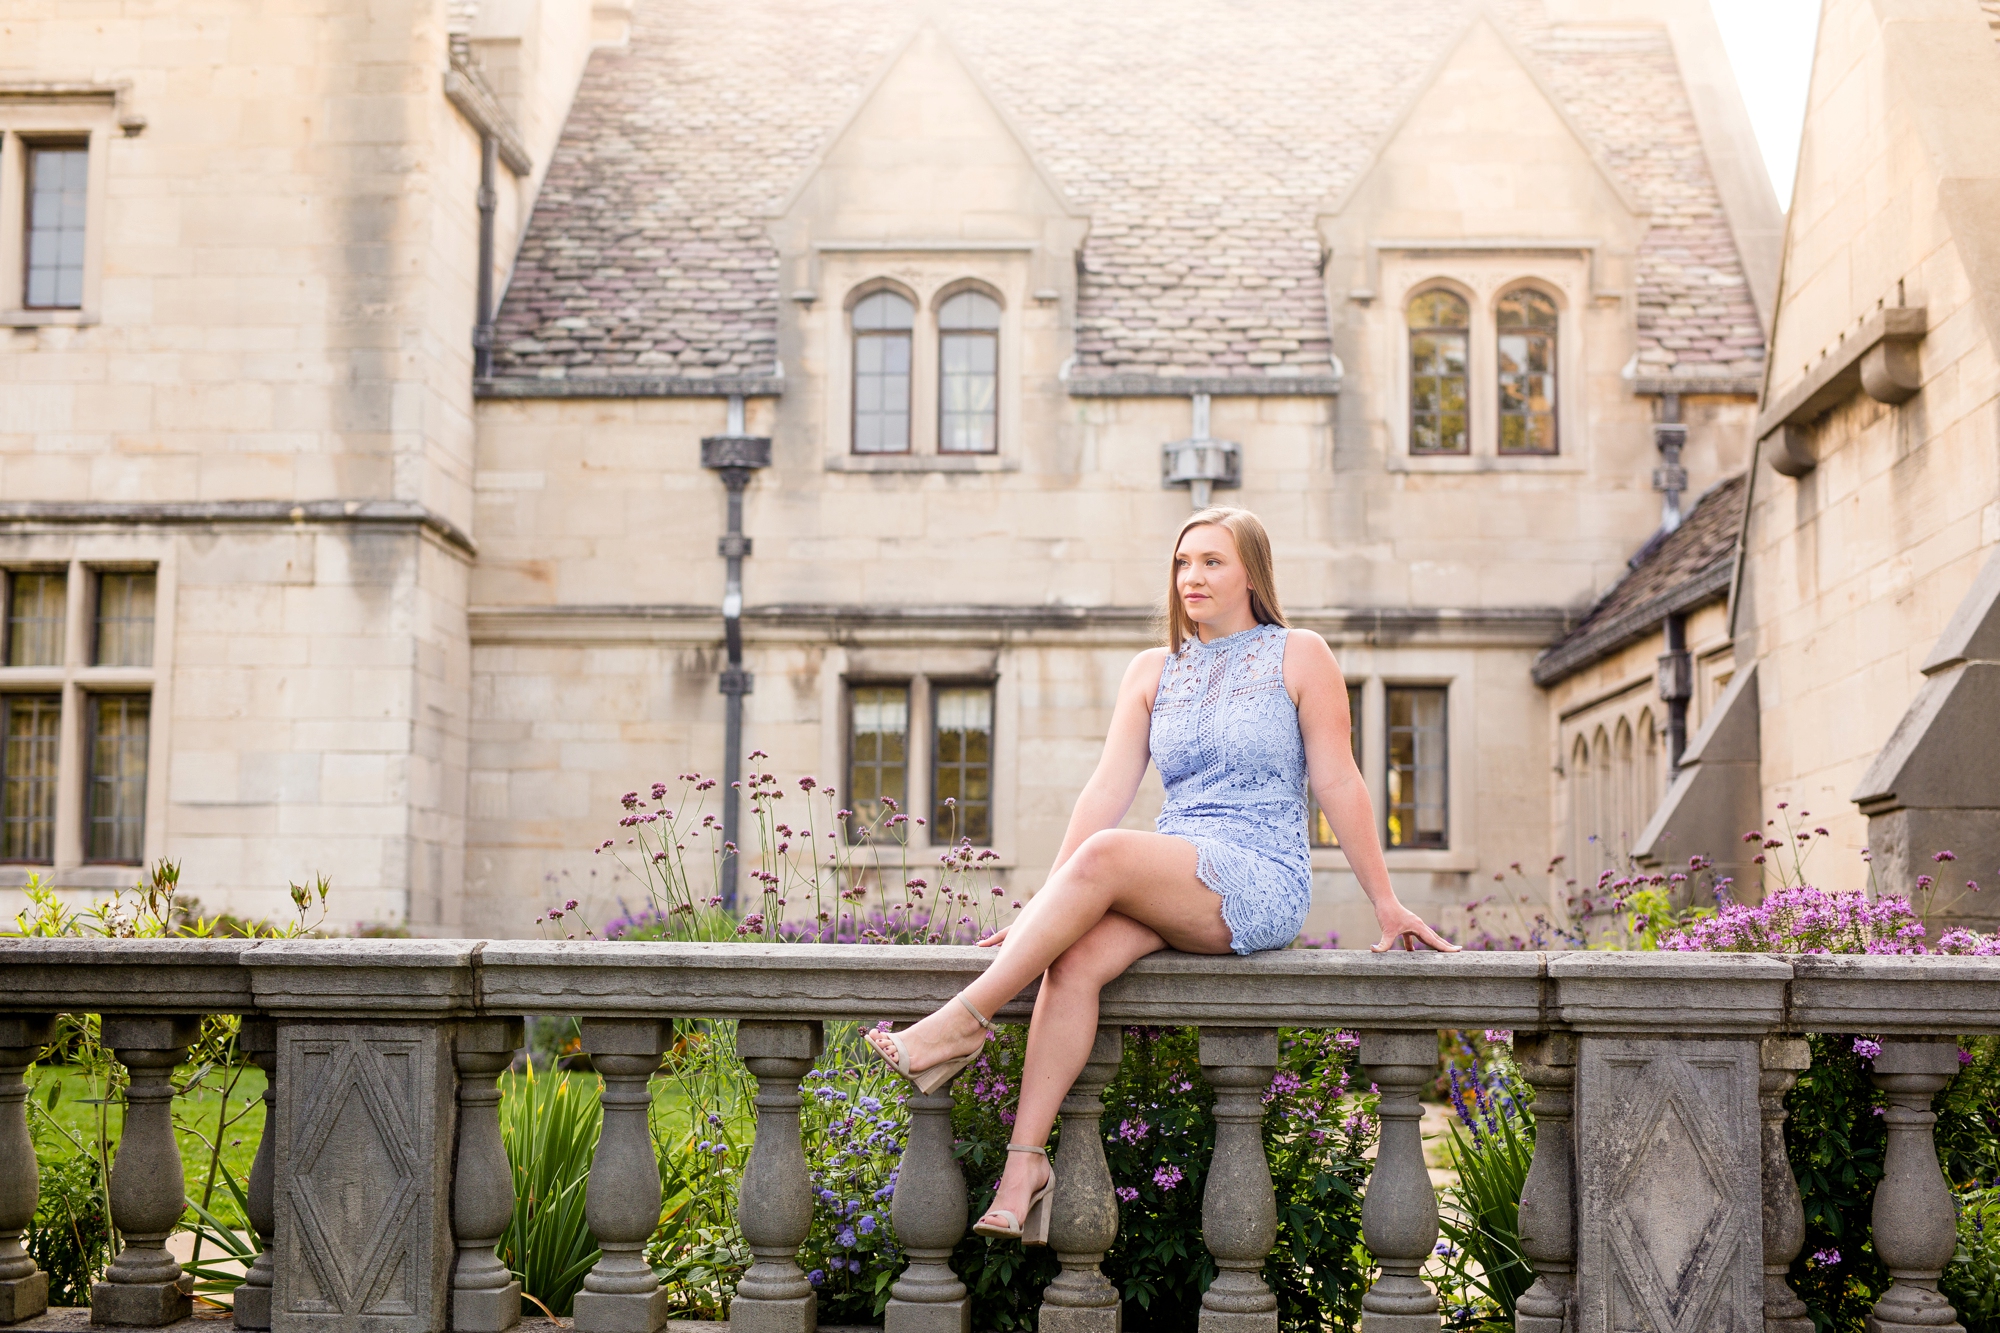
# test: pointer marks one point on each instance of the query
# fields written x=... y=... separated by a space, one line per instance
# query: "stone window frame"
x=1387 y=810
x=1483 y=277
x=945 y=294
x=1610 y=733
x=928 y=284
x=87 y=119
x=1410 y=334
x=923 y=667
x=1375 y=672
x=1557 y=420
x=76 y=681
x=855 y=298
x=920 y=749
x=935 y=686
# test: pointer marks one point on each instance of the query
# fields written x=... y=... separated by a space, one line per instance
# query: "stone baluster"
x=1916 y=1228
x=1781 y=1059
x=775 y=1204
x=485 y=1298
x=1399 y=1216
x=24 y=1288
x=258 y=1041
x=622 y=1201
x=1239 y=1211
x=1084 y=1217
x=929 y=1211
x=1548 y=1197
x=144 y=1287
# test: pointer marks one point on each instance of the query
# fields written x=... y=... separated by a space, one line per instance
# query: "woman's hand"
x=993 y=940
x=1400 y=923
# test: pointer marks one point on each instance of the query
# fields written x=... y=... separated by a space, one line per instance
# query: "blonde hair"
x=1253 y=547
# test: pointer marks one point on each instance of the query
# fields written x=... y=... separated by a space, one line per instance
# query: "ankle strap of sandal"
x=1024 y=1147
x=981 y=1018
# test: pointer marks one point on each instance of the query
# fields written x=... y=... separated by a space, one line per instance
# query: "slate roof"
x=1672 y=572
x=1201 y=137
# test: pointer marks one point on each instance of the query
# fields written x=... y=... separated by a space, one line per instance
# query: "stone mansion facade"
x=358 y=363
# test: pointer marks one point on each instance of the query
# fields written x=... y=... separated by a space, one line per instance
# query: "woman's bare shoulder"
x=1144 y=672
x=1309 y=660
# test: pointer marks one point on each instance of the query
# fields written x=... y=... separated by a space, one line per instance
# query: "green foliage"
x=703 y=1145
x=1972 y=1282
x=1315 y=1136
x=1159 y=1132
x=1004 y=1277
x=1968 y=1128
x=1836 y=1140
x=549 y=1126
x=1836 y=1143
x=855 y=1124
x=1480 y=1219
x=71 y=1236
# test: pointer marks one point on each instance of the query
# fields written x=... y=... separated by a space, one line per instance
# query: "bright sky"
x=1771 y=46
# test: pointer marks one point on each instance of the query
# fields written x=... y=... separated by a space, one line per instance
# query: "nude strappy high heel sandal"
x=1033 y=1228
x=931 y=1079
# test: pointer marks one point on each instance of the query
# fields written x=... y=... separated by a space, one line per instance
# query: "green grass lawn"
x=73 y=1122
x=76 y=1120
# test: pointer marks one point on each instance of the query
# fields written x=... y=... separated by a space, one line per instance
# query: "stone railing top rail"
x=1586 y=991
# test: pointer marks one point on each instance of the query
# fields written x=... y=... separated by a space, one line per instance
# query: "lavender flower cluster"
x=855 y=1125
x=1809 y=920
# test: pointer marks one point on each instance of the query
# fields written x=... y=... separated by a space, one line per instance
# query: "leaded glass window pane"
x=882 y=324
x=878 y=749
x=1440 y=327
x=124 y=620
x=35 y=619
x=116 y=818
x=1416 y=813
x=1317 y=824
x=58 y=180
x=29 y=736
x=969 y=374
x=1527 y=349
x=962 y=764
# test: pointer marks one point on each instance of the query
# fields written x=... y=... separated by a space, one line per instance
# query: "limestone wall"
x=1854 y=568
x=283 y=250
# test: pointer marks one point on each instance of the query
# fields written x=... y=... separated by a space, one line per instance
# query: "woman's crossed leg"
x=1123 y=895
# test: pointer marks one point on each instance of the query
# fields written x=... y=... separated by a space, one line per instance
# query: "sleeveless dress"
x=1225 y=737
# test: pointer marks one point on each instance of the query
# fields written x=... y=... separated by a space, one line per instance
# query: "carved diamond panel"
x=362 y=1237
x=1670 y=1224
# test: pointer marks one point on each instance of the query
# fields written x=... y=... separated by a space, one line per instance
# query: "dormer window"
x=969 y=374
x=1440 y=329
x=883 y=323
x=1525 y=323
x=914 y=365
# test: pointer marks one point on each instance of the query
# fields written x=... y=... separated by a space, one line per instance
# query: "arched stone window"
x=1582 y=814
x=882 y=324
x=969 y=374
x=1526 y=325
x=1624 y=826
x=1440 y=327
x=1651 y=764
x=1601 y=804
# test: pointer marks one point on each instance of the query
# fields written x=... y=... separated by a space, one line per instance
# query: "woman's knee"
x=1082 y=966
x=1097 y=853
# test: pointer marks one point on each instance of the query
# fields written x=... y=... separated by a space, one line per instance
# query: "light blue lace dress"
x=1225 y=737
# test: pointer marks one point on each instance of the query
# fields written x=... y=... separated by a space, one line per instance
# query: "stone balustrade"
x=1659 y=1196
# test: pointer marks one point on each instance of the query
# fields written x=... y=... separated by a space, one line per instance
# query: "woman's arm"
x=1127 y=750
x=1319 y=690
x=1105 y=799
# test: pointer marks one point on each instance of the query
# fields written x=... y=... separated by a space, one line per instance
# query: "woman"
x=1237 y=712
